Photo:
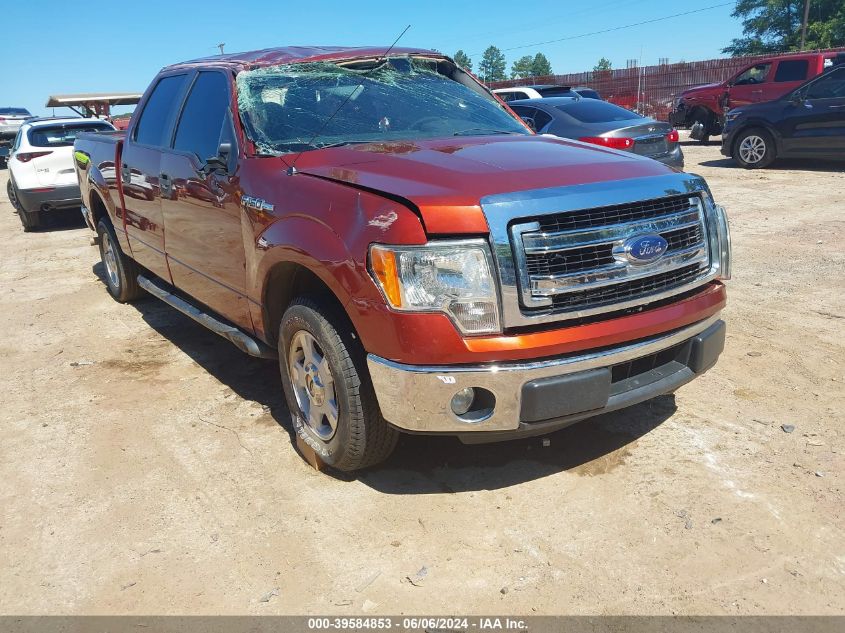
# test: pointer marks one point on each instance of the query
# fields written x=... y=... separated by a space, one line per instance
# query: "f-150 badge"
x=256 y=204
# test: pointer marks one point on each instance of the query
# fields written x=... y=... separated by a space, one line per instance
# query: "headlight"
x=454 y=277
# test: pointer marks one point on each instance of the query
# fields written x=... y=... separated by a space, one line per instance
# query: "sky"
x=60 y=46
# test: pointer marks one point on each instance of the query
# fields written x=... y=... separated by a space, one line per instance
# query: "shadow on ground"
x=422 y=464
x=791 y=164
x=60 y=220
x=428 y=464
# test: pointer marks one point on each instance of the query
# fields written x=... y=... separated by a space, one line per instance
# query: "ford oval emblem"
x=643 y=249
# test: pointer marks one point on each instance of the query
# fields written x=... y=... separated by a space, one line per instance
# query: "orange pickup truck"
x=416 y=258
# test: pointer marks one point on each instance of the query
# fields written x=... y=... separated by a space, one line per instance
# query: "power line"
x=615 y=28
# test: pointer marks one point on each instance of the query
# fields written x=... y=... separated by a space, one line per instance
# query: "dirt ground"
x=147 y=465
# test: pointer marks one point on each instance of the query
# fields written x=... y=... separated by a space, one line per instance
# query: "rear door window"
x=64 y=134
x=14 y=112
x=513 y=96
x=792 y=70
x=830 y=86
x=157 y=118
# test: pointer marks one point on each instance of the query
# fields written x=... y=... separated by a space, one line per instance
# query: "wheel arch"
x=757 y=124
x=287 y=281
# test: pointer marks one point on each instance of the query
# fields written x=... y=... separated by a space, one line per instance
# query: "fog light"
x=462 y=401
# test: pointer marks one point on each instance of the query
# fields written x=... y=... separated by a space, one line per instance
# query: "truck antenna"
x=292 y=168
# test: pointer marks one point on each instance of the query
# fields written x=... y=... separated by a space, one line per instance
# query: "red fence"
x=647 y=89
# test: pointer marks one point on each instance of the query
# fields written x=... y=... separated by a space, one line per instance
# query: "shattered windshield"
x=297 y=107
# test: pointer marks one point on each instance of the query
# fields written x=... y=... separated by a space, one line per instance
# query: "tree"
x=463 y=60
x=603 y=65
x=774 y=26
x=492 y=66
x=523 y=68
x=540 y=67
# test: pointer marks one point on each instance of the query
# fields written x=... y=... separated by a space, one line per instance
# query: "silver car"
x=10 y=123
x=602 y=123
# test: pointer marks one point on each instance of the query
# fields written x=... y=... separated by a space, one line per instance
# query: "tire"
x=319 y=358
x=120 y=271
x=754 y=149
x=705 y=118
x=30 y=220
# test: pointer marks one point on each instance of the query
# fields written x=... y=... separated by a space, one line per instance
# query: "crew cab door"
x=747 y=86
x=205 y=236
x=814 y=124
x=788 y=75
x=140 y=173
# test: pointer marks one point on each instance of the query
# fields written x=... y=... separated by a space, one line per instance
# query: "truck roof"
x=297 y=54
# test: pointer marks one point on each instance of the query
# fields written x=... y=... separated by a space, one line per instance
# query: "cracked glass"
x=303 y=106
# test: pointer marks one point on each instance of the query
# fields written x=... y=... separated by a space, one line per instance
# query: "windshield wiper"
x=341 y=143
x=478 y=131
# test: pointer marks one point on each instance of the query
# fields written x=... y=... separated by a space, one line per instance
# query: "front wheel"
x=754 y=149
x=121 y=272
x=332 y=403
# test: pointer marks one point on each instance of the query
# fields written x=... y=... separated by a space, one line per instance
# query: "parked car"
x=703 y=108
x=541 y=91
x=602 y=123
x=41 y=173
x=10 y=122
x=415 y=257
x=807 y=123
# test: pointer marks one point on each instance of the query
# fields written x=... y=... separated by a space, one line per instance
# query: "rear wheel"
x=327 y=388
x=754 y=149
x=30 y=220
x=120 y=271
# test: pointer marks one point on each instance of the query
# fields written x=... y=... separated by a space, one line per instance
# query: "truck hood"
x=446 y=179
x=704 y=88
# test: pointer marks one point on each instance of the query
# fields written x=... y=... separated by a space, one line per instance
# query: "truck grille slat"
x=616 y=214
x=576 y=261
x=626 y=290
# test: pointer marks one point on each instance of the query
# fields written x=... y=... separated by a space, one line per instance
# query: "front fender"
x=330 y=236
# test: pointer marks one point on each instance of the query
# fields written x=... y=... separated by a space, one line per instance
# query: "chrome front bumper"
x=570 y=388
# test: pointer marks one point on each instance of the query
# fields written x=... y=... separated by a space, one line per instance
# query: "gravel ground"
x=147 y=465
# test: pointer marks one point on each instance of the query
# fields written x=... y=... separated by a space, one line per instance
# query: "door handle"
x=125 y=173
x=165 y=184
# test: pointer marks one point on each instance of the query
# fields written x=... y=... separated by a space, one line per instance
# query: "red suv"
x=703 y=108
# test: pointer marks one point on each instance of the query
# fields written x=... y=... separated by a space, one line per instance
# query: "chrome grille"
x=614 y=214
x=575 y=261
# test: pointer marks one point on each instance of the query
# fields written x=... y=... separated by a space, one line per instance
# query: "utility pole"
x=804 y=24
x=222 y=44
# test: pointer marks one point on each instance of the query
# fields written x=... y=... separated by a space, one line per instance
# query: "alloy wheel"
x=110 y=262
x=313 y=384
x=752 y=149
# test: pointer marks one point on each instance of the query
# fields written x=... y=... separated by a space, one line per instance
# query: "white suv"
x=41 y=170
x=540 y=91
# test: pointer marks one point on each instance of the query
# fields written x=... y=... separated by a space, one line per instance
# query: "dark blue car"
x=809 y=122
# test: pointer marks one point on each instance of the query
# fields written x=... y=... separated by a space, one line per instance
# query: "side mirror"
x=220 y=162
x=796 y=98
